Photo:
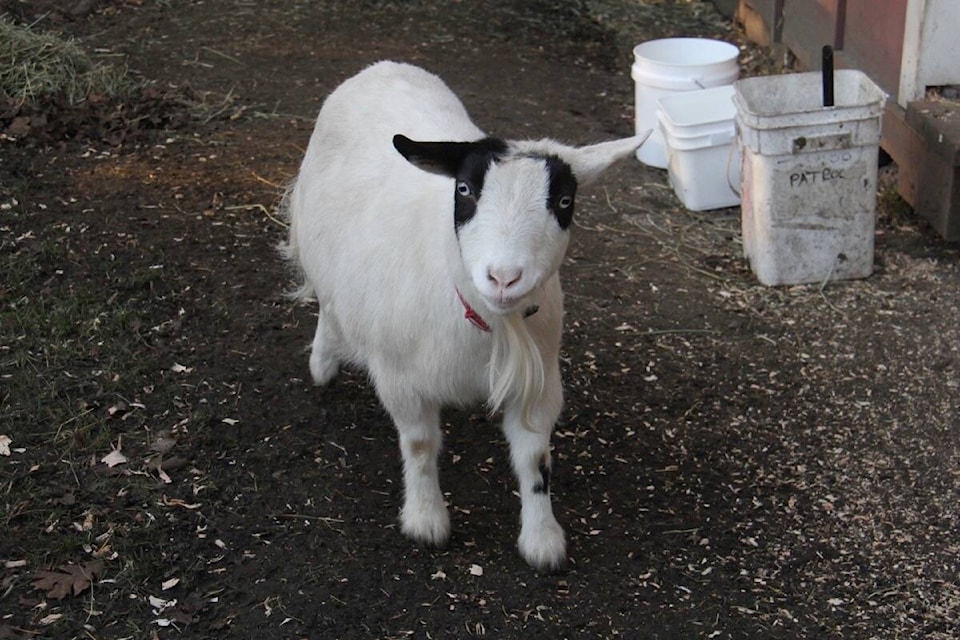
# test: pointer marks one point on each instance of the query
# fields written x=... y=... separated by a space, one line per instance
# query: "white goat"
x=403 y=241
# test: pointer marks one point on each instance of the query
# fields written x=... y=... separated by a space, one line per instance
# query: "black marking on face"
x=469 y=185
x=563 y=190
x=543 y=486
x=466 y=162
x=470 y=177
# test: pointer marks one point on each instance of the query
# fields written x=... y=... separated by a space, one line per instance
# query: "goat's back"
x=351 y=163
x=389 y=98
x=373 y=234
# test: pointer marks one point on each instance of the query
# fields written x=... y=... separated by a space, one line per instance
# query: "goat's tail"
x=290 y=249
x=516 y=368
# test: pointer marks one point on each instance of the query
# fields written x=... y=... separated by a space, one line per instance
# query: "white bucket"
x=672 y=65
x=703 y=161
x=809 y=184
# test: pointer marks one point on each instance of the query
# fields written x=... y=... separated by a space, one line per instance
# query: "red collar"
x=472 y=315
x=477 y=321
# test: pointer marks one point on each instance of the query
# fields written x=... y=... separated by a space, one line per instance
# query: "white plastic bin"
x=673 y=65
x=703 y=160
x=809 y=176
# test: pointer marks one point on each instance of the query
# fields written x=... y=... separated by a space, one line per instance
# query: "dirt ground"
x=734 y=460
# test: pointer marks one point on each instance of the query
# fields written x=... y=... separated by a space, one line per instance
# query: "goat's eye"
x=565 y=202
x=464 y=189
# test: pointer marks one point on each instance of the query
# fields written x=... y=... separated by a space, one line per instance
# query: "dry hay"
x=52 y=91
x=35 y=65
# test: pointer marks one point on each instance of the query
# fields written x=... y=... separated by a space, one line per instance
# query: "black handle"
x=827 y=70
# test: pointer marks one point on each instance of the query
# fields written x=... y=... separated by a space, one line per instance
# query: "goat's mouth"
x=508 y=305
x=504 y=308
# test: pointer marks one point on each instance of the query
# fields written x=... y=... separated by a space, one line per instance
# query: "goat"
x=433 y=251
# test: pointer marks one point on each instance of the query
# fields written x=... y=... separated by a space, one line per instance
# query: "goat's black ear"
x=444 y=158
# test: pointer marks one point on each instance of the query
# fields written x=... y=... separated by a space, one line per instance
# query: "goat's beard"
x=516 y=368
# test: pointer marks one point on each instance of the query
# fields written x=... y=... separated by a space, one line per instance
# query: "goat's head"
x=513 y=206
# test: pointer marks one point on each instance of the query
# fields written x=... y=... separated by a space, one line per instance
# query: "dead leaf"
x=159 y=604
x=117 y=408
x=19 y=126
x=114 y=458
x=163 y=444
x=68 y=579
x=161 y=466
x=164 y=477
x=174 y=463
x=50 y=619
x=177 y=502
x=5 y=445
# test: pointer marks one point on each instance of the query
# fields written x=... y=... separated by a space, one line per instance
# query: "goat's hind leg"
x=324 y=362
x=424 y=517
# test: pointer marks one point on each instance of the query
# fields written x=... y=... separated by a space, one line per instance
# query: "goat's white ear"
x=590 y=161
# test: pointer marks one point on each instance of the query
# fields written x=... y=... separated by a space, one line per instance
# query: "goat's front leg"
x=541 y=543
x=424 y=516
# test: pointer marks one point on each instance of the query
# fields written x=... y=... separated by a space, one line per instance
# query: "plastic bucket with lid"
x=702 y=155
x=672 y=65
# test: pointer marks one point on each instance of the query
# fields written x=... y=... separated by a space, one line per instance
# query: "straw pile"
x=36 y=65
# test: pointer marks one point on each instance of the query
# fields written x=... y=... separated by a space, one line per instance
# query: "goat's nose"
x=504 y=278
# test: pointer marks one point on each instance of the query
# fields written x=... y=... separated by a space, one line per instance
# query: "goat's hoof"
x=544 y=547
x=429 y=528
x=323 y=373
